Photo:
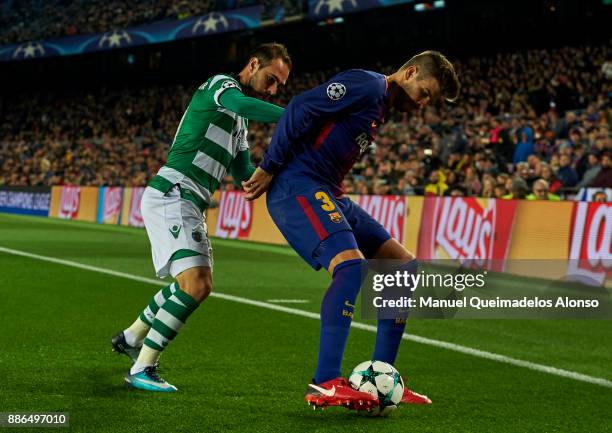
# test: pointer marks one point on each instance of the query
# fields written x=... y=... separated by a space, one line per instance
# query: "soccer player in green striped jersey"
x=211 y=140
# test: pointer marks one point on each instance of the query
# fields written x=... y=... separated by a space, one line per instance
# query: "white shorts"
x=175 y=225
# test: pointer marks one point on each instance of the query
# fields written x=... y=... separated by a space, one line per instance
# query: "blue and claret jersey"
x=325 y=130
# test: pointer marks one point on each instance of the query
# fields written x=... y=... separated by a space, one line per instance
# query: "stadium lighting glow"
x=426 y=6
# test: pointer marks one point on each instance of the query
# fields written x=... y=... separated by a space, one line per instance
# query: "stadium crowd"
x=32 y=20
x=527 y=125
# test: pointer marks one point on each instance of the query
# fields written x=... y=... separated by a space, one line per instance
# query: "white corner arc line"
x=296 y=312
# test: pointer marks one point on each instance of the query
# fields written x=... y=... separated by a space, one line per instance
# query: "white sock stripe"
x=157 y=338
x=172 y=288
x=169 y=320
x=174 y=299
x=149 y=315
x=159 y=298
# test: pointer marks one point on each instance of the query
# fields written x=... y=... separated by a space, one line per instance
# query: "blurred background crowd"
x=528 y=124
x=522 y=117
x=31 y=20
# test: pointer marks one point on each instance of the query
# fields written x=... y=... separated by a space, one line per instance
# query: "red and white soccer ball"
x=381 y=380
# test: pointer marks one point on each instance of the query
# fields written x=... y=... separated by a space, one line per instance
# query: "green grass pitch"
x=243 y=368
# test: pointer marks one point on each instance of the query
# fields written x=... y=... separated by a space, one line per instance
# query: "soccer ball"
x=381 y=380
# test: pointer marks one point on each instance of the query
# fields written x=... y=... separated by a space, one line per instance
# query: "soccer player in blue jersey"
x=321 y=134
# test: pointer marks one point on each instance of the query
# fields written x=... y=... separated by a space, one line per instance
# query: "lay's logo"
x=388 y=210
x=69 y=202
x=135 y=215
x=235 y=216
x=462 y=229
x=113 y=200
x=590 y=250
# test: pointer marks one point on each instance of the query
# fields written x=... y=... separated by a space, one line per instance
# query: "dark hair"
x=435 y=64
x=265 y=53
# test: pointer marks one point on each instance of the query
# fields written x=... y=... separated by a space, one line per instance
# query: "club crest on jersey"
x=197 y=234
x=336 y=91
x=335 y=217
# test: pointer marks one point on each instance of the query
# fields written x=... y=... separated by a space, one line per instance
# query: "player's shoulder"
x=368 y=80
x=220 y=81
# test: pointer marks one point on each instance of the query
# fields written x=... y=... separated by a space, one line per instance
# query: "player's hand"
x=257 y=184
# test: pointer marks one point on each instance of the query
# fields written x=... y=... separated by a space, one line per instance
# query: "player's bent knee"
x=196 y=282
x=344 y=257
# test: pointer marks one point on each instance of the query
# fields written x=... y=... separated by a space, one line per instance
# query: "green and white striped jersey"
x=207 y=140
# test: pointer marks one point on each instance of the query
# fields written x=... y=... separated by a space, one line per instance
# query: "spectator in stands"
x=524 y=147
x=488 y=187
x=566 y=174
x=600 y=197
x=540 y=191
x=437 y=184
x=604 y=177
x=501 y=191
x=519 y=190
x=549 y=176
x=592 y=171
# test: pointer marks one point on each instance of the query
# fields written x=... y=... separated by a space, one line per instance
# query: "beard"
x=250 y=89
x=401 y=100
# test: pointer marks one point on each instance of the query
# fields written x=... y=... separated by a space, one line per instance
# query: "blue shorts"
x=307 y=213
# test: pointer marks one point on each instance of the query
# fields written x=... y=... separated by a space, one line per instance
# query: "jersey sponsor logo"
x=363 y=141
x=336 y=91
x=590 y=250
x=69 y=202
x=235 y=216
x=388 y=210
x=464 y=230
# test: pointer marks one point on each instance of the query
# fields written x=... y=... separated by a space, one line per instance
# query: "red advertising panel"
x=69 y=202
x=463 y=229
x=389 y=210
x=235 y=216
x=111 y=206
x=135 y=217
x=590 y=249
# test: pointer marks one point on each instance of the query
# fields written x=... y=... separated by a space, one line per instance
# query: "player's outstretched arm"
x=250 y=108
x=257 y=184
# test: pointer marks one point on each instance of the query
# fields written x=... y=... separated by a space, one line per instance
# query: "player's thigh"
x=337 y=248
x=177 y=232
x=370 y=235
x=307 y=215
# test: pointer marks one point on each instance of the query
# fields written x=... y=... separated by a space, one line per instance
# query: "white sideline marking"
x=423 y=340
x=288 y=301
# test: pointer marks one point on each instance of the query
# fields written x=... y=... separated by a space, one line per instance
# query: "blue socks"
x=389 y=331
x=337 y=313
x=336 y=316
